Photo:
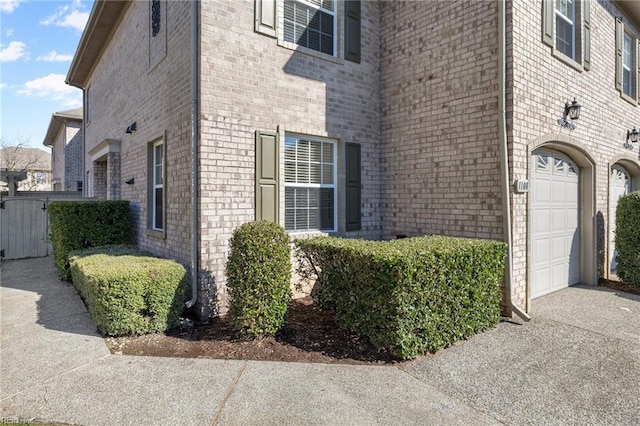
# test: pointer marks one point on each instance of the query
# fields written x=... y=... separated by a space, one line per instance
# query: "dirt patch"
x=308 y=336
x=619 y=286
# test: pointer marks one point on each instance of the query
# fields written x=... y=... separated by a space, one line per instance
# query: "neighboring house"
x=64 y=137
x=366 y=119
x=33 y=165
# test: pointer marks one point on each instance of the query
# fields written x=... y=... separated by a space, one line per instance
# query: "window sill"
x=567 y=60
x=155 y=233
x=628 y=99
x=307 y=235
x=310 y=52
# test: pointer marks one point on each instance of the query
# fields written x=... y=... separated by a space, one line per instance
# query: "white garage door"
x=554 y=223
x=619 y=185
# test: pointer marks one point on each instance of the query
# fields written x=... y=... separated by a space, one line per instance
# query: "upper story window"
x=626 y=62
x=311 y=24
x=566 y=26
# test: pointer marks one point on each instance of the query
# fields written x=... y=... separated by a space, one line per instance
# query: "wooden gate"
x=24 y=224
x=23 y=228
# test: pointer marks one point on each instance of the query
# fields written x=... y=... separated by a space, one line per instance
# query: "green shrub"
x=76 y=225
x=409 y=296
x=127 y=291
x=258 y=277
x=628 y=238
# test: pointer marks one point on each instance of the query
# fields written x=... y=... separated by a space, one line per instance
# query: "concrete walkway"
x=576 y=362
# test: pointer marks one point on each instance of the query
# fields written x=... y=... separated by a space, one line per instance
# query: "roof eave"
x=103 y=20
x=631 y=8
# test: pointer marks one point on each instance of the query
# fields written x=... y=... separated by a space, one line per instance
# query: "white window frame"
x=572 y=21
x=629 y=67
x=334 y=185
x=293 y=45
x=155 y=185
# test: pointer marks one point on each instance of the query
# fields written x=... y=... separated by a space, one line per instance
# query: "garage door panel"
x=558 y=219
x=541 y=223
x=558 y=247
x=541 y=251
x=542 y=280
x=554 y=231
x=558 y=192
x=544 y=194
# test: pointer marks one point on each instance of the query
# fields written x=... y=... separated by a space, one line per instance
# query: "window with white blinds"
x=310 y=184
x=311 y=23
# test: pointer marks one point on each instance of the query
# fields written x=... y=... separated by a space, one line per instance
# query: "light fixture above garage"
x=571 y=110
x=632 y=137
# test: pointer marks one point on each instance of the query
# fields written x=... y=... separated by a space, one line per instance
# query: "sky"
x=38 y=39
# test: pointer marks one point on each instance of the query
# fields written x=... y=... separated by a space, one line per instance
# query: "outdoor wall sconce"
x=571 y=110
x=132 y=127
x=632 y=137
x=130 y=181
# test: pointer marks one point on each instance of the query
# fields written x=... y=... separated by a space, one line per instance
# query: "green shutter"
x=548 y=10
x=352 y=31
x=353 y=187
x=587 y=34
x=267 y=176
x=265 y=17
x=619 y=43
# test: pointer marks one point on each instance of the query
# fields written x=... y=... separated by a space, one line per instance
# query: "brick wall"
x=439 y=129
x=249 y=83
x=125 y=88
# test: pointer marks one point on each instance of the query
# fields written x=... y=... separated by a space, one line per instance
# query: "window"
x=155 y=17
x=311 y=24
x=310 y=184
x=626 y=62
x=40 y=178
x=157 y=186
x=628 y=58
x=565 y=28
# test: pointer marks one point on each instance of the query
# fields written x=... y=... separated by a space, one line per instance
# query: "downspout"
x=194 y=154
x=504 y=155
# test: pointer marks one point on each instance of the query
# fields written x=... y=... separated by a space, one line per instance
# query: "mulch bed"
x=308 y=336
x=619 y=286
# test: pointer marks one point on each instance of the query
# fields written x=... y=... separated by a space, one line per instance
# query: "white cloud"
x=2 y=86
x=54 y=56
x=52 y=86
x=13 y=52
x=68 y=16
x=9 y=5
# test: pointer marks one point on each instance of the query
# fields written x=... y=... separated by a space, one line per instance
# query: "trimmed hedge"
x=628 y=238
x=408 y=296
x=258 y=277
x=127 y=291
x=76 y=225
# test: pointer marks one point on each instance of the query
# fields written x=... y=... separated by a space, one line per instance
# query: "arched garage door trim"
x=580 y=155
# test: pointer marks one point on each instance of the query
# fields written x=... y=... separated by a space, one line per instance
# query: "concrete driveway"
x=576 y=362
